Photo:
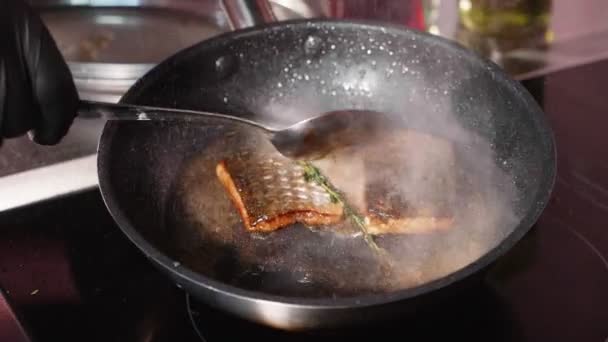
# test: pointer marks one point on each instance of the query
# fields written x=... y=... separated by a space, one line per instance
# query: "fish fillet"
x=409 y=182
x=270 y=192
x=388 y=212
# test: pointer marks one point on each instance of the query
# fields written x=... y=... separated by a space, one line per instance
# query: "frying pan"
x=278 y=74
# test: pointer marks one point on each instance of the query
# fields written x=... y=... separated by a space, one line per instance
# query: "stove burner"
x=548 y=288
x=65 y=266
x=194 y=316
x=555 y=283
x=482 y=315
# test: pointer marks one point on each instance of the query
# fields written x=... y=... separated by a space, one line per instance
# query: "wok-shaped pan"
x=158 y=181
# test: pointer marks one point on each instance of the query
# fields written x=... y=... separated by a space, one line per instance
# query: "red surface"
x=11 y=329
x=408 y=13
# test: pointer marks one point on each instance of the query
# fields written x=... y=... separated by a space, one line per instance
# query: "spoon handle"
x=120 y=111
x=116 y=111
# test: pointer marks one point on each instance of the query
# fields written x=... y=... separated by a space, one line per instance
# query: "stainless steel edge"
x=206 y=8
x=48 y=182
x=30 y=173
x=247 y=13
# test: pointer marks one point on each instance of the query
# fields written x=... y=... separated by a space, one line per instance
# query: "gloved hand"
x=37 y=92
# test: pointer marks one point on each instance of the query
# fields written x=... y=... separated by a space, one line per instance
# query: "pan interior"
x=162 y=175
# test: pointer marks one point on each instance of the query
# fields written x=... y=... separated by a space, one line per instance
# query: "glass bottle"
x=505 y=17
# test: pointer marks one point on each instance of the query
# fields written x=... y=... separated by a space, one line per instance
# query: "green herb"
x=313 y=174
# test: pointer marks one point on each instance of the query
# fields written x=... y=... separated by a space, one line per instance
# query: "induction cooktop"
x=67 y=272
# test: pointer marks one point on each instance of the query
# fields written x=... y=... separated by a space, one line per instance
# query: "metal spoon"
x=308 y=139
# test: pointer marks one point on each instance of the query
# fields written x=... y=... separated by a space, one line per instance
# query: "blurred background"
x=109 y=44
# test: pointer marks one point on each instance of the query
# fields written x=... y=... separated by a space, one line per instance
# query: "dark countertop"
x=73 y=276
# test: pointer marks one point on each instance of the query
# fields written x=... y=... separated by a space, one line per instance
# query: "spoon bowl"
x=316 y=137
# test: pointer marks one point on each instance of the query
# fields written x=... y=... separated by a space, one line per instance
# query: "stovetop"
x=71 y=275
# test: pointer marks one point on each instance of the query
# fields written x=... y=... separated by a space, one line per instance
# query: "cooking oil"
x=510 y=18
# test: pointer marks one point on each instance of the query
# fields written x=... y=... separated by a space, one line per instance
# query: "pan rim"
x=541 y=199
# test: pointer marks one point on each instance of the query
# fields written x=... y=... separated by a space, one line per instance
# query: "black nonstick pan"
x=159 y=183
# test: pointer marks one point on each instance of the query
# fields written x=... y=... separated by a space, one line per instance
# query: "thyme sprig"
x=313 y=174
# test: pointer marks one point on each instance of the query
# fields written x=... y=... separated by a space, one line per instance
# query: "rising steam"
x=434 y=162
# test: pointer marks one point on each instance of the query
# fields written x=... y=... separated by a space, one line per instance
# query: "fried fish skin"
x=395 y=185
x=270 y=193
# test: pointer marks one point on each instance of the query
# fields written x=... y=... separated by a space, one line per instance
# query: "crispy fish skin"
x=390 y=213
x=271 y=193
x=408 y=188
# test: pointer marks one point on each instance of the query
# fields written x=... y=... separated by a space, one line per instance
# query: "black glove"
x=37 y=92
